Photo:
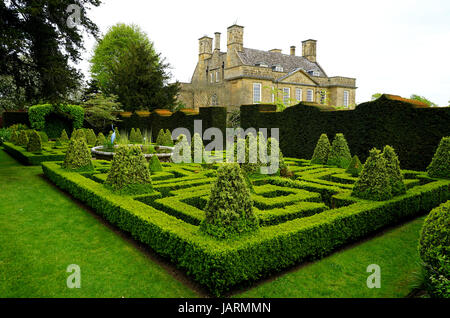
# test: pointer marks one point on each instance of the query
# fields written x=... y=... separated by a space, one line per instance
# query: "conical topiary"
x=197 y=148
x=101 y=139
x=78 y=134
x=394 y=172
x=23 y=138
x=373 y=182
x=34 y=142
x=229 y=210
x=182 y=150
x=44 y=137
x=78 y=156
x=155 y=164
x=64 y=137
x=129 y=173
x=138 y=136
x=91 y=138
x=340 y=153
x=440 y=165
x=355 y=167
x=14 y=137
x=168 y=138
x=132 y=136
x=322 y=150
x=160 y=138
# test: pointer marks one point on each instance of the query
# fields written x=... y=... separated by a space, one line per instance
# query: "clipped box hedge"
x=32 y=159
x=221 y=265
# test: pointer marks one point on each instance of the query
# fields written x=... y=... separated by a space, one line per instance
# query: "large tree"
x=126 y=64
x=38 y=44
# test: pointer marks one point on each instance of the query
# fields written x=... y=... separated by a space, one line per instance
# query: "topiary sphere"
x=34 y=142
x=78 y=156
x=322 y=150
x=440 y=165
x=229 y=210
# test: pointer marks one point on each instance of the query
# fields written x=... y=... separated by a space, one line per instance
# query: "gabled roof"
x=295 y=71
x=289 y=63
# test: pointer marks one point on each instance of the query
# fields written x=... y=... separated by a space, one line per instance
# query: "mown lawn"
x=42 y=231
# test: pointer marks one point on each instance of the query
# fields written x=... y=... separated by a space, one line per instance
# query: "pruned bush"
x=229 y=210
x=440 y=164
x=322 y=150
x=14 y=137
x=197 y=149
x=355 y=167
x=138 y=136
x=393 y=169
x=434 y=250
x=101 y=139
x=168 y=139
x=132 y=136
x=129 y=173
x=275 y=159
x=34 y=142
x=78 y=134
x=44 y=137
x=340 y=153
x=78 y=155
x=155 y=164
x=160 y=138
x=64 y=137
x=91 y=138
x=23 y=138
x=374 y=181
x=182 y=150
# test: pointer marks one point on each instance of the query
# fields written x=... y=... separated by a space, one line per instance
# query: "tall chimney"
x=217 y=41
x=293 y=50
x=309 y=49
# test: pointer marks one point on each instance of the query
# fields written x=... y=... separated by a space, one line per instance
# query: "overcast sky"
x=399 y=47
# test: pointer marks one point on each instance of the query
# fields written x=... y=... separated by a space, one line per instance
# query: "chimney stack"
x=309 y=50
x=217 y=41
x=275 y=51
x=293 y=50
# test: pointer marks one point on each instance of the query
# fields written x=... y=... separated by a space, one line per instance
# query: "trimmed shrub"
x=197 y=149
x=434 y=250
x=91 y=138
x=44 y=137
x=132 y=136
x=393 y=169
x=161 y=137
x=34 y=142
x=64 y=137
x=58 y=142
x=148 y=149
x=322 y=150
x=138 y=137
x=23 y=138
x=78 y=134
x=168 y=139
x=275 y=157
x=14 y=137
x=101 y=139
x=182 y=150
x=129 y=173
x=155 y=164
x=355 y=167
x=374 y=182
x=340 y=153
x=78 y=156
x=229 y=210
x=440 y=165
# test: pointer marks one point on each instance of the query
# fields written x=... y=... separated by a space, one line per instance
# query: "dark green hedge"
x=11 y=118
x=220 y=265
x=31 y=159
x=413 y=132
x=210 y=116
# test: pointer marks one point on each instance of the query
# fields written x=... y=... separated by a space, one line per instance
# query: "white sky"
x=399 y=47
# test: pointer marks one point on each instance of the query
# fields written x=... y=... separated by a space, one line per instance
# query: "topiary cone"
x=440 y=164
x=322 y=150
x=340 y=153
x=34 y=142
x=78 y=156
x=393 y=169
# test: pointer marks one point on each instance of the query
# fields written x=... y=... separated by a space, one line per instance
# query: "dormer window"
x=261 y=64
x=278 y=68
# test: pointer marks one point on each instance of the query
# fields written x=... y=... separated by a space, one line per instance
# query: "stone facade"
x=246 y=76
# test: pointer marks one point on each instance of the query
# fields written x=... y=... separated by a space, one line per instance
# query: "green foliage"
x=100 y=139
x=322 y=150
x=182 y=150
x=44 y=137
x=100 y=110
x=340 y=153
x=434 y=250
x=23 y=138
x=155 y=164
x=440 y=165
x=5 y=135
x=148 y=149
x=125 y=64
x=374 y=182
x=160 y=138
x=355 y=167
x=168 y=141
x=376 y=96
x=78 y=155
x=38 y=114
x=229 y=210
x=394 y=172
x=78 y=134
x=34 y=142
x=64 y=137
x=91 y=138
x=132 y=135
x=138 y=137
x=197 y=149
x=275 y=157
x=129 y=173
x=423 y=100
x=14 y=137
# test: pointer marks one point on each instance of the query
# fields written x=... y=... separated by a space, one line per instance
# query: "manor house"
x=248 y=76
